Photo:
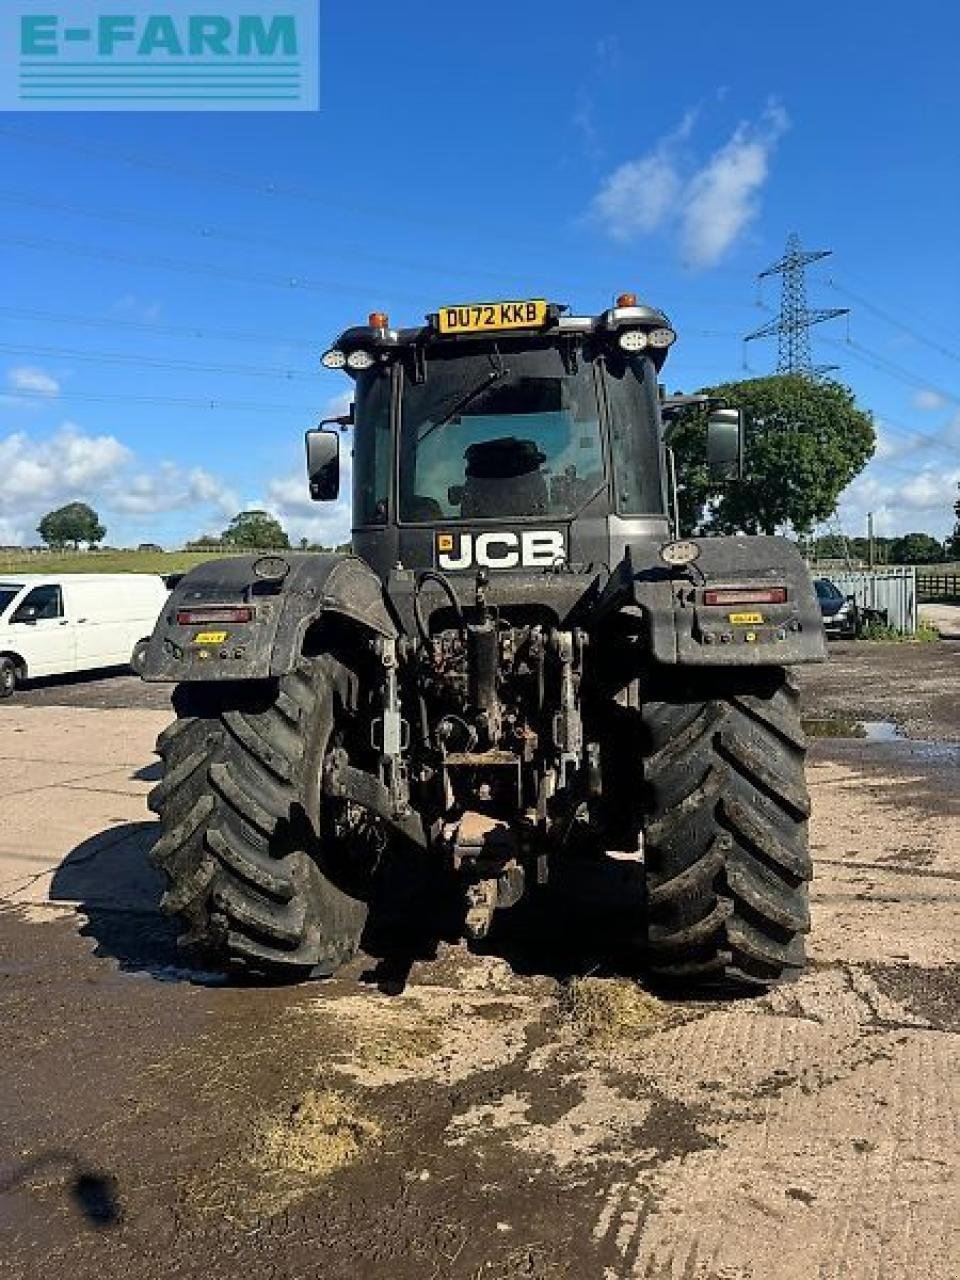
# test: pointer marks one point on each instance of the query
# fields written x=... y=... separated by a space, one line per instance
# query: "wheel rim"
x=7 y=679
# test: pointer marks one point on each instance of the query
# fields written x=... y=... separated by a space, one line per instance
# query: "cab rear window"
x=8 y=593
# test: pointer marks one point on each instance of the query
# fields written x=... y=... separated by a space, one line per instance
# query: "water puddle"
x=848 y=727
x=845 y=728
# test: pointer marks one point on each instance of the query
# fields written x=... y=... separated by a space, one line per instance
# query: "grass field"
x=104 y=561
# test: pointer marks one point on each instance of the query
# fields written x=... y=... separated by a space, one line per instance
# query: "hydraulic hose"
x=442 y=581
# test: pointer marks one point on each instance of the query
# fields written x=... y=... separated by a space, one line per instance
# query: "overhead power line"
x=239 y=406
x=153 y=362
x=386 y=210
x=885 y=365
x=193 y=333
x=897 y=322
x=164 y=263
x=207 y=233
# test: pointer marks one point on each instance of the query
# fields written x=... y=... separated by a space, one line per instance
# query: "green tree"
x=916 y=548
x=255 y=529
x=832 y=546
x=806 y=441
x=76 y=523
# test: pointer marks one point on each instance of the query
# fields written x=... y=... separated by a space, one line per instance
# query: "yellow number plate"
x=746 y=619
x=210 y=637
x=476 y=317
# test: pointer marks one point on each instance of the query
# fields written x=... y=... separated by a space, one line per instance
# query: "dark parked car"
x=839 y=612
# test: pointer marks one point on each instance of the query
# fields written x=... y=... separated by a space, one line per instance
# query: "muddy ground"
x=914 y=686
x=527 y=1112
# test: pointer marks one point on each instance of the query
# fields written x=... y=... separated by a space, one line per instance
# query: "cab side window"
x=40 y=604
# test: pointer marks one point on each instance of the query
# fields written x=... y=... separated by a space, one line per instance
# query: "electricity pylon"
x=793 y=325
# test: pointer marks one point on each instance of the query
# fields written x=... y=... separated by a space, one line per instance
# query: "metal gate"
x=891 y=591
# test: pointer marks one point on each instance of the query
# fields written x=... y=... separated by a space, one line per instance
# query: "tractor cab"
x=505 y=435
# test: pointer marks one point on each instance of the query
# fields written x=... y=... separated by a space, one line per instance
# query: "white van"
x=53 y=624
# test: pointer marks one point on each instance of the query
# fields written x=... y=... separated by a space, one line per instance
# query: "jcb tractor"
x=520 y=662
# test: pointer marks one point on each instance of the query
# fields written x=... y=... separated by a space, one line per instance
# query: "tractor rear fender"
x=247 y=617
x=682 y=628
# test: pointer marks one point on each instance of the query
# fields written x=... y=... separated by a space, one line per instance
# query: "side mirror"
x=726 y=431
x=323 y=464
x=455 y=494
x=26 y=613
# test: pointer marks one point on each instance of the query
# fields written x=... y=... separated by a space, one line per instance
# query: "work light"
x=359 y=360
x=632 y=340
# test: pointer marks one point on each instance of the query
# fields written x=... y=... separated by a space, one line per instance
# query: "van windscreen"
x=8 y=593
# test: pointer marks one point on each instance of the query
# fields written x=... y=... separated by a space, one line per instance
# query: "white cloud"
x=584 y=121
x=37 y=475
x=901 y=503
x=639 y=196
x=721 y=200
x=288 y=498
x=10 y=535
x=706 y=206
x=888 y=445
x=928 y=401
x=32 y=380
x=169 y=488
x=132 y=305
x=636 y=198
x=33 y=471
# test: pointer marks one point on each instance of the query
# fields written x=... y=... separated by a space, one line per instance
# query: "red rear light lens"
x=745 y=595
x=214 y=613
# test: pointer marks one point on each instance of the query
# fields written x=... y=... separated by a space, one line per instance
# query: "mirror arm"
x=345 y=420
x=670 y=406
x=673 y=404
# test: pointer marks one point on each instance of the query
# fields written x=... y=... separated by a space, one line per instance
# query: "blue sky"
x=155 y=265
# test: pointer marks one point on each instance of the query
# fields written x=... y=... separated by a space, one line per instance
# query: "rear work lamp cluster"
x=640 y=339
x=356 y=360
x=359 y=359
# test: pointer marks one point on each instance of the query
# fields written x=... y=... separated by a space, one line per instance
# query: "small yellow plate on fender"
x=210 y=637
x=746 y=619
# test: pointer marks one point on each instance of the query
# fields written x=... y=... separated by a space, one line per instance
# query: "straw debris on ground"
x=319 y=1133
x=604 y=1012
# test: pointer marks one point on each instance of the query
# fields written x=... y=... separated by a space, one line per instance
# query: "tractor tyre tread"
x=247 y=868
x=725 y=830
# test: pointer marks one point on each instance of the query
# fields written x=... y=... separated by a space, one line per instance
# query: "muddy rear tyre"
x=8 y=678
x=725 y=831
x=246 y=844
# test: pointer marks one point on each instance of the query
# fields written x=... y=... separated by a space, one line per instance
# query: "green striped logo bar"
x=138 y=55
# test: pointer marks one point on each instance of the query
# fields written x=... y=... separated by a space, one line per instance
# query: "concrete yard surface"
x=529 y=1110
x=945 y=617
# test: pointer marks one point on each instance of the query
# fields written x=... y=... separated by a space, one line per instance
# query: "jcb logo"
x=533 y=548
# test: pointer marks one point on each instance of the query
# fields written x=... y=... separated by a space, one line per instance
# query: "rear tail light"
x=745 y=595
x=214 y=613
